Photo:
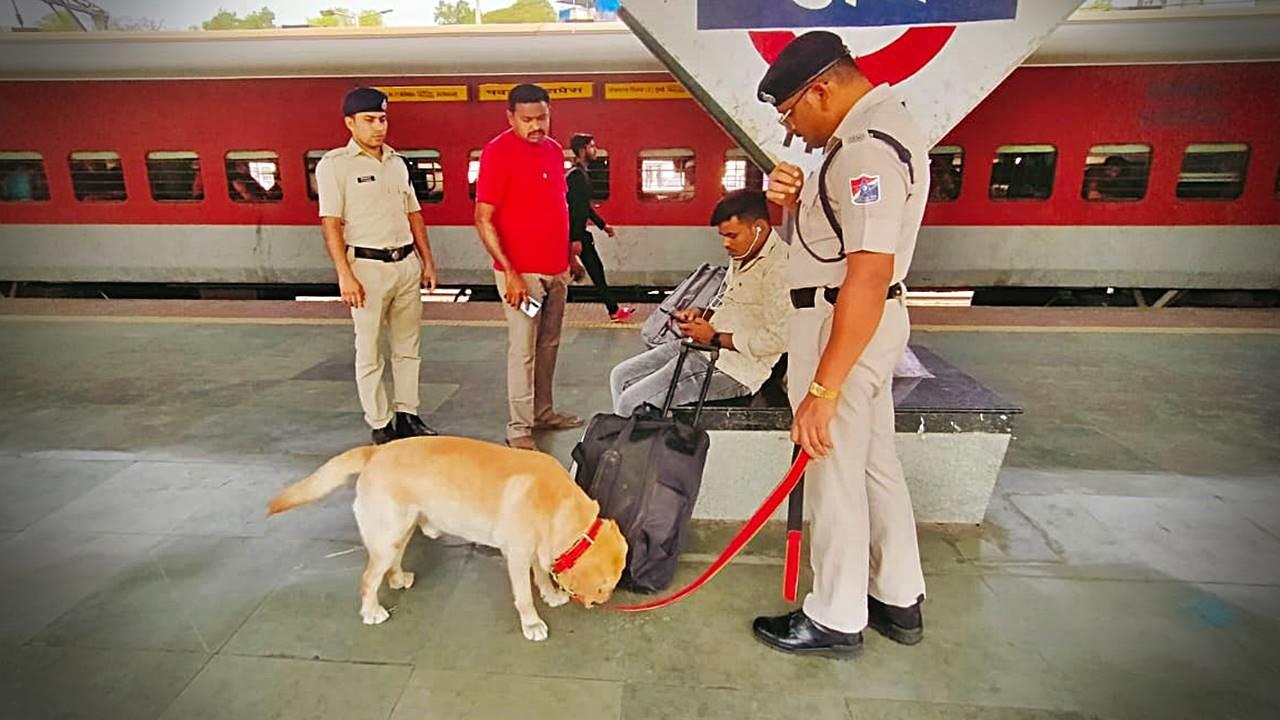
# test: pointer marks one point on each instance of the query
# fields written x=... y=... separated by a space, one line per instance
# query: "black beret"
x=364 y=100
x=802 y=60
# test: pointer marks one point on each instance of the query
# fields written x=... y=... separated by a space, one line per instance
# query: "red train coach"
x=1127 y=175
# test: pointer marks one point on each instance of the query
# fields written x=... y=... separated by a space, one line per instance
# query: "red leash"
x=795 y=533
x=740 y=541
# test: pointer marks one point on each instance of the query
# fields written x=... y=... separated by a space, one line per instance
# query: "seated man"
x=750 y=321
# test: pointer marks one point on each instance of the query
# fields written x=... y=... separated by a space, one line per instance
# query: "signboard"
x=758 y=15
x=942 y=56
x=557 y=90
x=645 y=91
x=425 y=93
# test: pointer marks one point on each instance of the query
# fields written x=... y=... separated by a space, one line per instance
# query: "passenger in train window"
x=523 y=219
x=849 y=330
x=945 y=185
x=19 y=184
x=1114 y=179
x=749 y=322
x=97 y=179
x=377 y=240
x=585 y=258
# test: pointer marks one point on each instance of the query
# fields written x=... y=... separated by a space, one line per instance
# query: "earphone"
x=751 y=249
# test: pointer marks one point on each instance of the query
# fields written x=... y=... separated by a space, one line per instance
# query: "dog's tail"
x=331 y=476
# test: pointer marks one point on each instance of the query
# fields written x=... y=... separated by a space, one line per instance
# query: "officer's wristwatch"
x=715 y=340
x=818 y=391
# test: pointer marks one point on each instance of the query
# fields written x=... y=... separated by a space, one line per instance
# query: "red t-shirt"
x=525 y=182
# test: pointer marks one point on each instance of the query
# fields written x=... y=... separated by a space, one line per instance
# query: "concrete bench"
x=952 y=434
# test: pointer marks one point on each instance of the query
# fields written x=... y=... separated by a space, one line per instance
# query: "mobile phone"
x=530 y=307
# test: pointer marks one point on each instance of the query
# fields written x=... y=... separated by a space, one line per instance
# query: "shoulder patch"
x=864 y=189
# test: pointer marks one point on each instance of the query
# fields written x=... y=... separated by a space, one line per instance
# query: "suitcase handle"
x=685 y=347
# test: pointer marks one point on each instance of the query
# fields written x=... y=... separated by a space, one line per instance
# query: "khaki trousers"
x=392 y=309
x=863 y=529
x=532 y=346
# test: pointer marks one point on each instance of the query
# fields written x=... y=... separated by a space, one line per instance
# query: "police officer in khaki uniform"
x=375 y=235
x=849 y=328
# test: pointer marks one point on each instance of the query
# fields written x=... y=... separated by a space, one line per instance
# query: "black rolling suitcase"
x=645 y=471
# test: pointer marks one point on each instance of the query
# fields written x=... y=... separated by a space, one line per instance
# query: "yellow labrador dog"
x=522 y=502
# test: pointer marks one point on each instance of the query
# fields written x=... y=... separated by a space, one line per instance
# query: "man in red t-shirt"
x=523 y=219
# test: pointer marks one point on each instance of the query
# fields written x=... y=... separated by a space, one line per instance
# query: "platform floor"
x=1129 y=565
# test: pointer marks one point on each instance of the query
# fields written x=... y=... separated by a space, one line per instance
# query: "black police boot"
x=901 y=624
x=386 y=434
x=410 y=425
x=796 y=633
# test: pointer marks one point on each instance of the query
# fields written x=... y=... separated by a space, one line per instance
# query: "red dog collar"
x=570 y=556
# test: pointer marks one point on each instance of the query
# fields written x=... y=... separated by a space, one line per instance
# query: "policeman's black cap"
x=804 y=59
x=364 y=99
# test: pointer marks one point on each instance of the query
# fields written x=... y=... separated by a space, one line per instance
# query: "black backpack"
x=645 y=471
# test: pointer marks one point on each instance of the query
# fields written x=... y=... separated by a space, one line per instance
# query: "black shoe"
x=410 y=425
x=900 y=624
x=796 y=633
x=386 y=434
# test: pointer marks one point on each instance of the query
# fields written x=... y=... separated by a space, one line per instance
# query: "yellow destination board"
x=557 y=90
x=425 y=93
x=645 y=91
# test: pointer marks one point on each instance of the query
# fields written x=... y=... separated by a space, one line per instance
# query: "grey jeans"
x=646 y=377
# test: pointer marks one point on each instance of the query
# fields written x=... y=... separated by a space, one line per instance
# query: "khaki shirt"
x=373 y=198
x=871 y=191
x=755 y=308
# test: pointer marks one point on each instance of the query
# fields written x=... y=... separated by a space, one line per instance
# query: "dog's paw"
x=401 y=581
x=554 y=598
x=375 y=616
x=536 y=631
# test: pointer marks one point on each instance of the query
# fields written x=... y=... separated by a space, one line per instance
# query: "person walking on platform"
x=523 y=219
x=850 y=326
x=376 y=238
x=578 y=180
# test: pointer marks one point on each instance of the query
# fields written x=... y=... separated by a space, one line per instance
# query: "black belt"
x=802 y=298
x=391 y=255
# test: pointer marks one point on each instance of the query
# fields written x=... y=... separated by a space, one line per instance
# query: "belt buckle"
x=395 y=254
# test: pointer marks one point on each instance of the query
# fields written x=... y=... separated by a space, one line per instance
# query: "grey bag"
x=698 y=290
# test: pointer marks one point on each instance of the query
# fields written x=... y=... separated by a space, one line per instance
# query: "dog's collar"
x=578 y=549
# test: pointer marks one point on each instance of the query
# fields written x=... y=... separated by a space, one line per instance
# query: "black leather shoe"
x=796 y=633
x=410 y=425
x=386 y=434
x=900 y=624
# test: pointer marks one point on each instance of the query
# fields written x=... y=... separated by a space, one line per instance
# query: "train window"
x=310 y=161
x=473 y=172
x=253 y=176
x=946 y=170
x=1213 y=171
x=740 y=172
x=666 y=174
x=426 y=173
x=597 y=172
x=1116 y=173
x=175 y=176
x=97 y=177
x=22 y=177
x=1023 y=172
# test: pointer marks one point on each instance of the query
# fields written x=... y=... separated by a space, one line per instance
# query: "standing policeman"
x=375 y=235
x=853 y=228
